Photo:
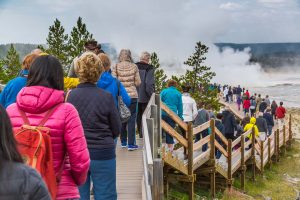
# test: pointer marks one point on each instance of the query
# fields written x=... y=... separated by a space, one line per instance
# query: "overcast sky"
x=156 y=20
x=169 y=27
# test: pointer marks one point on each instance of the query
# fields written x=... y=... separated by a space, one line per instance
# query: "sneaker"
x=132 y=147
x=124 y=145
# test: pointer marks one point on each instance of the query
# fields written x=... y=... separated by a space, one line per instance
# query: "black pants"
x=141 y=109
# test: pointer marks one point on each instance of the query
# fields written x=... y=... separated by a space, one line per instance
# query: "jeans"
x=103 y=175
x=270 y=128
x=141 y=109
x=203 y=134
x=128 y=128
x=168 y=120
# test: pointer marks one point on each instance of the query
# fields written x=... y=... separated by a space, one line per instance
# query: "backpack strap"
x=24 y=117
x=67 y=95
x=48 y=114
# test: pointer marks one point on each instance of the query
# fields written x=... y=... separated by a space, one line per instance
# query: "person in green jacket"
x=172 y=98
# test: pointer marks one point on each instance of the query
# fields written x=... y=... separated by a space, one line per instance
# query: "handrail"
x=247 y=133
x=221 y=136
x=201 y=142
x=173 y=133
x=201 y=128
x=173 y=115
x=205 y=162
x=220 y=148
x=236 y=141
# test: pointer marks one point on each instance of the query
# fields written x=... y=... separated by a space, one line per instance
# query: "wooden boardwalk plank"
x=129 y=172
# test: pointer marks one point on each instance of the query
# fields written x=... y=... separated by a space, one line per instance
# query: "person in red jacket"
x=248 y=94
x=280 y=114
x=246 y=105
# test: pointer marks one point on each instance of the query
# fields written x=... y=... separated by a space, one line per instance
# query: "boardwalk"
x=129 y=173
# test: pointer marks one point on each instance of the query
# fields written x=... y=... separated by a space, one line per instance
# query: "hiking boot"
x=132 y=147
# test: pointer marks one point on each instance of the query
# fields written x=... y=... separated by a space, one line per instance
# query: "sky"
x=169 y=27
x=239 y=21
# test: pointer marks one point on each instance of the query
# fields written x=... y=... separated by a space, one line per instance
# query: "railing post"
x=284 y=145
x=158 y=180
x=150 y=126
x=278 y=145
x=269 y=152
x=190 y=159
x=253 y=153
x=243 y=166
x=229 y=172
x=155 y=134
x=290 y=131
x=262 y=157
x=158 y=116
x=212 y=159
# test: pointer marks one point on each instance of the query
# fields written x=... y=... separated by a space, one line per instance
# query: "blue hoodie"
x=110 y=84
x=9 y=94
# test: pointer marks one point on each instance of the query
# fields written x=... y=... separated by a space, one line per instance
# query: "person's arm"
x=76 y=145
x=114 y=71
x=3 y=97
x=180 y=106
x=256 y=131
x=114 y=118
x=272 y=120
x=37 y=188
x=195 y=111
x=150 y=82
x=265 y=126
x=72 y=73
x=137 y=78
x=233 y=121
x=126 y=98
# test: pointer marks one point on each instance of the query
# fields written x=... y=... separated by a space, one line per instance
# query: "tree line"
x=67 y=46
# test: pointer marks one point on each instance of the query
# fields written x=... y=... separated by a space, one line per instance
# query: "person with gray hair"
x=146 y=88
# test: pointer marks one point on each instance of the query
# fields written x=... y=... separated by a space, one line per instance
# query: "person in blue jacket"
x=9 y=94
x=110 y=84
x=173 y=99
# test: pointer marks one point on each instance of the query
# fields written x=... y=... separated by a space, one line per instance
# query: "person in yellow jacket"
x=250 y=126
x=70 y=83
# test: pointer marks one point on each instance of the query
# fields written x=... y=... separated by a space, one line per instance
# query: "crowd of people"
x=76 y=121
x=68 y=127
x=259 y=113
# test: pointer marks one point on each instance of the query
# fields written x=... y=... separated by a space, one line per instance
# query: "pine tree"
x=11 y=64
x=159 y=74
x=79 y=35
x=200 y=76
x=57 y=42
x=2 y=71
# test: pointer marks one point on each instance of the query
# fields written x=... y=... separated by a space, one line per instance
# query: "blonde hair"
x=105 y=61
x=125 y=55
x=88 y=68
x=28 y=60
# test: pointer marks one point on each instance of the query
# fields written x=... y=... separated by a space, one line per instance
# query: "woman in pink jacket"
x=44 y=90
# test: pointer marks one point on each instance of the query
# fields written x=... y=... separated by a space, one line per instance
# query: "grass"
x=272 y=184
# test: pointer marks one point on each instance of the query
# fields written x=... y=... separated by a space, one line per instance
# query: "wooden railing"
x=153 y=165
x=243 y=151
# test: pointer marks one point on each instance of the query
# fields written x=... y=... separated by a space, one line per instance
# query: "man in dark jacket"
x=229 y=123
x=263 y=106
x=146 y=88
x=261 y=123
x=270 y=121
x=202 y=117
